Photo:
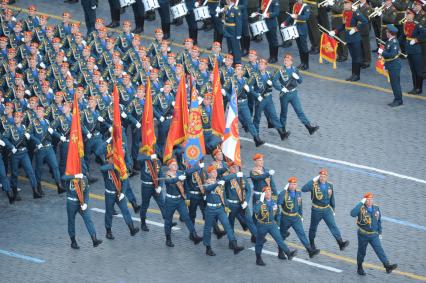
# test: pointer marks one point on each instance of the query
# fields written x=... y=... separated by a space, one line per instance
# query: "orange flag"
x=218 y=112
x=148 y=131
x=328 y=49
x=380 y=68
x=75 y=149
x=179 y=125
x=117 y=138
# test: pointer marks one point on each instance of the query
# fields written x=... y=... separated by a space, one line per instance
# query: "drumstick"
x=205 y=2
x=267 y=8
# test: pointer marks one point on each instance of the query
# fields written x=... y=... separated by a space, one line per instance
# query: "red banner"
x=218 y=112
x=117 y=137
x=328 y=49
x=148 y=130
x=75 y=147
x=380 y=67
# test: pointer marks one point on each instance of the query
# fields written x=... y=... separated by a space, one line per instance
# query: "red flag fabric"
x=328 y=49
x=264 y=5
x=380 y=67
x=117 y=137
x=218 y=113
x=179 y=125
x=148 y=130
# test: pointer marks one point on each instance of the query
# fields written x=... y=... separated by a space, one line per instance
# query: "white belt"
x=194 y=192
x=233 y=201
x=72 y=199
x=110 y=192
x=267 y=94
x=147 y=183
x=242 y=100
x=257 y=193
x=214 y=204
x=172 y=196
x=169 y=117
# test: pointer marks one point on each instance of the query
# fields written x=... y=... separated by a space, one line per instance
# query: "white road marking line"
x=134 y=218
x=337 y=161
x=329 y=268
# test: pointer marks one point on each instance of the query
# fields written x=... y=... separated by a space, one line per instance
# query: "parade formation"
x=104 y=101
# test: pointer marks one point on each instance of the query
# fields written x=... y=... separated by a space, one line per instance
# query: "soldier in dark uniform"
x=420 y=17
x=376 y=22
x=4 y=179
x=245 y=34
x=233 y=29
x=313 y=30
x=215 y=11
x=365 y=10
x=400 y=8
x=89 y=8
x=272 y=24
x=370 y=232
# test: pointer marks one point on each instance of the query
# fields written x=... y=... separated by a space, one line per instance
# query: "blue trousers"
x=171 y=206
x=355 y=51
x=302 y=43
x=93 y=145
x=234 y=48
x=395 y=81
x=272 y=229
x=163 y=130
x=110 y=199
x=63 y=154
x=266 y=106
x=293 y=99
x=4 y=179
x=136 y=141
x=196 y=201
x=148 y=191
x=213 y=213
x=23 y=159
x=244 y=117
x=271 y=35
x=294 y=222
x=46 y=154
x=242 y=216
x=72 y=208
x=128 y=192
x=217 y=22
x=319 y=214
x=374 y=241
x=164 y=12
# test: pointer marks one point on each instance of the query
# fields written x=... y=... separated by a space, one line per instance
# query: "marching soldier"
x=285 y=81
x=4 y=179
x=61 y=131
x=233 y=29
x=323 y=207
x=370 y=232
x=290 y=202
x=265 y=211
x=163 y=112
x=211 y=141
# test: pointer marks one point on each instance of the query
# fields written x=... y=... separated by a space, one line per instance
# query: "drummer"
x=270 y=13
x=215 y=10
x=190 y=20
x=301 y=13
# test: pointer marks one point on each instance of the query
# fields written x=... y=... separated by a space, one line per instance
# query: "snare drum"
x=258 y=28
x=289 y=33
x=201 y=13
x=124 y=3
x=179 y=10
x=150 y=5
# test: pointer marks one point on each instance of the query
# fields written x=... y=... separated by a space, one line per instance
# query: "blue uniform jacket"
x=321 y=195
x=368 y=220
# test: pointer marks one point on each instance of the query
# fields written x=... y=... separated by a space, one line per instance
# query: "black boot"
x=74 y=244
x=273 y=52
x=360 y=270
x=61 y=190
x=235 y=247
x=219 y=233
x=109 y=234
x=132 y=229
x=419 y=85
x=166 y=31
x=92 y=179
x=220 y=37
x=169 y=242
x=259 y=260
x=143 y=225
x=113 y=25
x=306 y=60
x=258 y=142
x=195 y=238
x=281 y=254
x=390 y=267
x=10 y=197
x=36 y=194
x=209 y=251
x=311 y=129
x=137 y=30
x=193 y=33
x=355 y=73
x=283 y=134
x=291 y=254
x=314 y=50
x=312 y=242
x=95 y=241
x=39 y=189
x=312 y=252
x=301 y=55
x=342 y=244
x=136 y=207
x=16 y=196
x=150 y=16
x=178 y=21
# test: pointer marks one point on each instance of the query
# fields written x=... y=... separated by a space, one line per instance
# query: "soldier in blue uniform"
x=390 y=53
x=163 y=112
x=42 y=133
x=4 y=179
x=215 y=198
x=323 y=207
x=232 y=29
x=176 y=197
x=285 y=81
x=290 y=202
x=74 y=206
x=265 y=211
x=370 y=232
x=272 y=24
x=211 y=141
x=62 y=127
x=215 y=11
x=112 y=182
x=194 y=182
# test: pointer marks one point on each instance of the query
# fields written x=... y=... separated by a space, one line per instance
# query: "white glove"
x=380 y=237
x=260 y=98
x=109 y=140
x=244 y=205
x=252 y=15
x=238 y=37
x=101 y=119
x=42 y=65
x=217 y=10
x=295 y=76
x=363 y=200
x=293 y=16
x=201 y=165
x=262 y=197
x=124 y=115
x=240 y=174
x=412 y=42
x=286 y=187
x=2 y=143
x=330 y=2
x=158 y=190
x=246 y=87
x=138 y=125
x=27 y=135
x=380 y=51
x=89 y=136
x=379 y=14
x=173 y=103
x=153 y=156
x=182 y=177
x=223 y=92
x=14 y=150
x=161 y=89
x=284 y=89
x=162 y=119
x=196 y=4
x=27 y=92
x=83 y=206
x=39 y=146
x=282 y=25
x=354 y=8
x=93 y=7
x=50 y=130
x=269 y=82
x=200 y=100
x=78 y=176
x=301 y=218
x=19 y=66
x=271 y=172
x=120 y=197
x=332 y=33
x=221 y=182
x=315 y=179
x=63 y=139
x=352 y=31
